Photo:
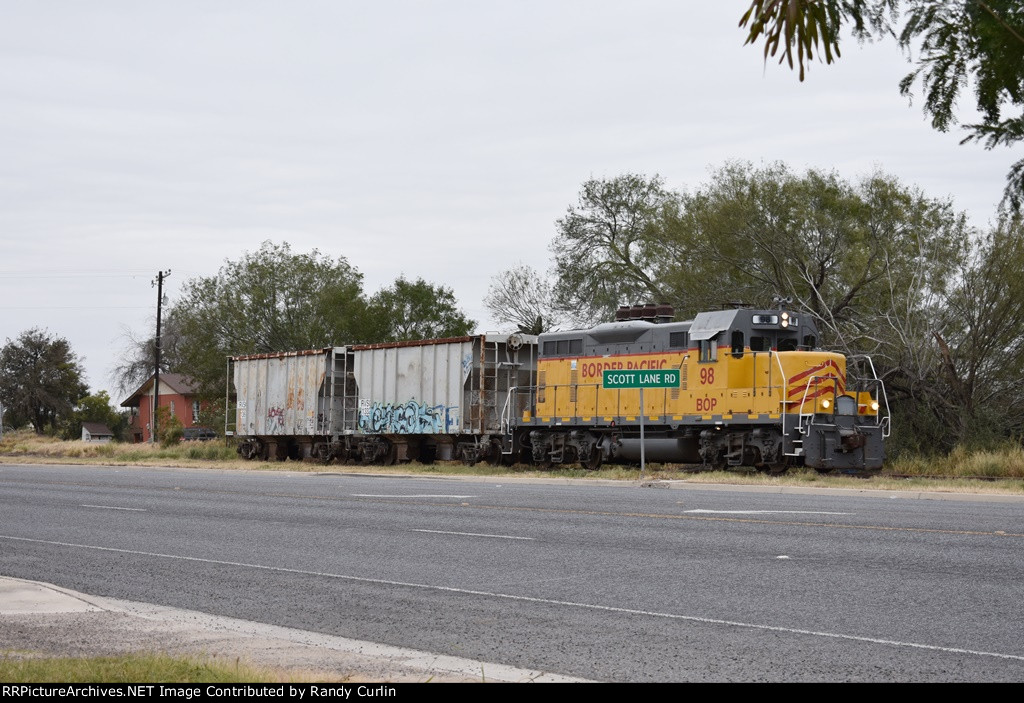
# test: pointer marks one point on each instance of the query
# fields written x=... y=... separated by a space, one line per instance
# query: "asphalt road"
x=610 y=583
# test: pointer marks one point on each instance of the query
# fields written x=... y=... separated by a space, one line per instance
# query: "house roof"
x=96 y=428
x=177 y=382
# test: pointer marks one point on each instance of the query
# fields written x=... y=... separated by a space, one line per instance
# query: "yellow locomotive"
x=754 y=389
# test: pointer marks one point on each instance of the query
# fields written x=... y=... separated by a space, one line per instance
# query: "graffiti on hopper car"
x=275 y=420
x=407 y=418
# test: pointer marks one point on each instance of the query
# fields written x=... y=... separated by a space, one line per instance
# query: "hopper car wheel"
x=322 y=453
x=495 y=457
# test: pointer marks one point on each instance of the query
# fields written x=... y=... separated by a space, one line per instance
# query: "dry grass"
x=144 y=668
x=1006 y=464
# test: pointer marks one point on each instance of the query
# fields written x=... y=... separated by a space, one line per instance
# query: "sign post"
x=640 y=378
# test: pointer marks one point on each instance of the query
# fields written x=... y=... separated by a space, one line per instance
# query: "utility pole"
x=159 y=283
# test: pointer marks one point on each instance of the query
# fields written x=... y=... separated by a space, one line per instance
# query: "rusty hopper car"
x=382 y=403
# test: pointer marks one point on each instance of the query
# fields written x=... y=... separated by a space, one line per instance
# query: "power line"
x=75 y=307
x=68 y=274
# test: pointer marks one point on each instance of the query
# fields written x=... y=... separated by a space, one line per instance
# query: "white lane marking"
x=113 y=507
x=531 y=599
x=765 y=512
x=407 y=495
x=473 y=534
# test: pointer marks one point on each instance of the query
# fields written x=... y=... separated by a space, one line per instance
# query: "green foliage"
x=40 y=380
x=847 y=253
x=981 y=341
x=212 y=416
x=170 y=428
x=958 y=43
x=269 y=300
x=809 y=26
x=603 y=253
x=274 y=300
x=409 y=310
x=95 y=408
x=883 y=269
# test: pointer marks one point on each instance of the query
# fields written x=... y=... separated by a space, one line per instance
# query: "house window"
x=195 y=412
x=172 y=408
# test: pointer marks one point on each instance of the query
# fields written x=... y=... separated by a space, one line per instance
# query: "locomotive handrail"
x=506 y=411
x=807 y=387
x=886 y=422
x=782 y=394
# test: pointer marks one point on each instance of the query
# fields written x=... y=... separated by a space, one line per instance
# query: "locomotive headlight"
x=826 y=403
x=785 y=319
x=874 y=405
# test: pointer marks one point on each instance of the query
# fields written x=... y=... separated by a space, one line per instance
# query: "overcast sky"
x=439 y=139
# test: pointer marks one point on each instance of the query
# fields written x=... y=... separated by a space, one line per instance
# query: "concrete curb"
x=35 y=609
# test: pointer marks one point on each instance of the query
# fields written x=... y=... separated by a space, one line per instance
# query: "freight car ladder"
x=488 y=384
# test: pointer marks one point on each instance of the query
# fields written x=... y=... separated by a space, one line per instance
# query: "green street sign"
x=640 y=378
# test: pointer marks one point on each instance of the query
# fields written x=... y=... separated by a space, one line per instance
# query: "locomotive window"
x=708 y=350
x=787 y=345
x=759 y=344
x=549 y=348
x=737 y=343
x=677 y=340
x=563 y=346
x=575 y=346
x=810 y=342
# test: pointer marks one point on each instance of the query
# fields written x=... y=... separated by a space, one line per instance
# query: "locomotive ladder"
x=798 y=442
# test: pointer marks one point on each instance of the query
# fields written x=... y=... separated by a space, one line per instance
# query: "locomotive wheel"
x=593 y=461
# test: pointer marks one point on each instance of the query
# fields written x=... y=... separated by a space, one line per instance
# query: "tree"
x=94 y=408
x=40 y=380
x=138 y=359
x=981 y=341
x=959 y=43
x=606 y=248
x=842 y=251
x=522 y=297
x=269 y=300
x=408 y=310
x=875 y=262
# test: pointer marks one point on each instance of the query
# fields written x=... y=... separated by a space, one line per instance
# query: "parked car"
x=198 y=434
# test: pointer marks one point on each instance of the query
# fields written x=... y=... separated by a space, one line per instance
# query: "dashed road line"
x=545 y=601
